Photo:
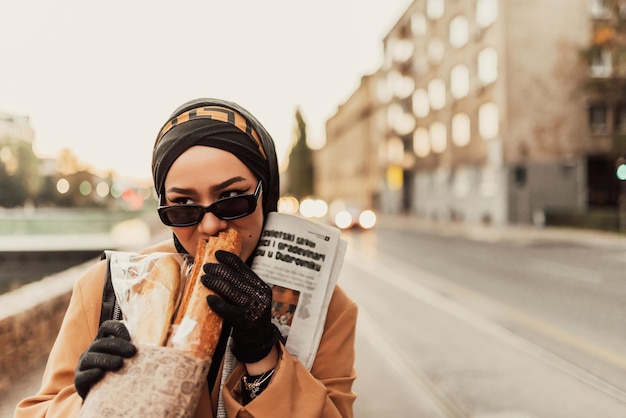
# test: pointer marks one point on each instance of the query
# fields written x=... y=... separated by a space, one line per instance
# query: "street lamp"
x=620 y=171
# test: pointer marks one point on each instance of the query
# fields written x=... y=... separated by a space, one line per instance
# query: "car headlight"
x=343 y=219
x=367 y=219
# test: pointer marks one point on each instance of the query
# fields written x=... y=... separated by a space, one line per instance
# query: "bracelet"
x=257 y=384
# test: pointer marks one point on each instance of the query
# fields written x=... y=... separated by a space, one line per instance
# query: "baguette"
x=156 y=302
x=196 y=328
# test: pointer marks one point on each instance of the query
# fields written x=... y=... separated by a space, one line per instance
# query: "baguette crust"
x=196 y=328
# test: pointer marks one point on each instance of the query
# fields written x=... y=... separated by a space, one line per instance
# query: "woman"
x=213 y=155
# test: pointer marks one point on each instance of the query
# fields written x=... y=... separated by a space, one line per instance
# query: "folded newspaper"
x=301 y=260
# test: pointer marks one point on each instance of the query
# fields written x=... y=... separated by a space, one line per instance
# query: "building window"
x=619 y=62
x=459 y=81
x=487 y=66
x=421 y=142
x=488 y=121
x=402 y=86
x=418 y=24
x=421 y=105
x=486 y=12
x=601 y=63
x=438 y=137
x=401 y=122
x=598 y=8
x=597 y=118
x=458 y=32
x=620 y=118
x=460 y=129
x=434 y=9
x=437 y=94
x=395 y=151
x=401 y=49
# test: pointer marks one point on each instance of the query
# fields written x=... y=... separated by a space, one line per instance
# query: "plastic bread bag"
x=148 y=289
x=158 y=381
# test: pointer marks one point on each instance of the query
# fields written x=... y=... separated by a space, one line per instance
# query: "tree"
x=68 y=163
x=19 y=178
x=300 y=169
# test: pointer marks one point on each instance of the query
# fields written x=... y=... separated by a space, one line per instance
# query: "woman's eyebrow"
x=228 y=182
x=217 y=187
x=180 y=190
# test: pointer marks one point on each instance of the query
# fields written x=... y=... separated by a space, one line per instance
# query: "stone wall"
x=30 y=317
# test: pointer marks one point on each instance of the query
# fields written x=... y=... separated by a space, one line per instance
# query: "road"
x=484 y=324
x=453 y=325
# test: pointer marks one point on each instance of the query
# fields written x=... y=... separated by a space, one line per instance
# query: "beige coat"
x=325 y=391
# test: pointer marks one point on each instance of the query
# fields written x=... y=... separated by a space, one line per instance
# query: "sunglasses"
x=227 y=209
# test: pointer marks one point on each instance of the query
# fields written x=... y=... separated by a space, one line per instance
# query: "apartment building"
x=479 y=114
x=349 y=166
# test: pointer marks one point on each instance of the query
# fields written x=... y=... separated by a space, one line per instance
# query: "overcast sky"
x=101 y=78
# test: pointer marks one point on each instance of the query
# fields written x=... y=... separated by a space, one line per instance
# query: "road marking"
x=389 y=272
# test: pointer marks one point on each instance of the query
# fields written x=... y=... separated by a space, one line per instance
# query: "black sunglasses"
x=228 y=208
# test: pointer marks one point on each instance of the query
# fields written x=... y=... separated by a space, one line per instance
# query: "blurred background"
x=474 y=150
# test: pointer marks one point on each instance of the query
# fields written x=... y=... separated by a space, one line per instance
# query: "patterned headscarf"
x=224 y=125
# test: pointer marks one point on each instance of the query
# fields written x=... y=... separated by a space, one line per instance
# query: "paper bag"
x=157 y=382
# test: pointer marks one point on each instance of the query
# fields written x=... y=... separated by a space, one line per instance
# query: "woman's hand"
x=106 y=353
x=245 y=303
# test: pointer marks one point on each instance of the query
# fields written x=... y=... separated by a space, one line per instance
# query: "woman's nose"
x=211 y=224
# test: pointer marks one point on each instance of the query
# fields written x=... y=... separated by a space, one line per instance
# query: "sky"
x=100 y=78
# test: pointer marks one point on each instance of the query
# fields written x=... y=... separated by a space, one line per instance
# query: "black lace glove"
x=245 y=304
x=106 y=353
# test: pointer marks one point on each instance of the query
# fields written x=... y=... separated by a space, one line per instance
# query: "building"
x=348 y=167
x=480 y=114
x=15 y=132
x=18 y=163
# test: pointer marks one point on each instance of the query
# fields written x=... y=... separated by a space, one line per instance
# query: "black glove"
x=246 y=305
x=106 y=353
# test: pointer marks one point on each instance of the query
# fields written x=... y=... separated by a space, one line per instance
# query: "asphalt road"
x=484 y=324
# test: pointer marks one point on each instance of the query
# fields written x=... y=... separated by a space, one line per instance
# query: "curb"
x=491 y=233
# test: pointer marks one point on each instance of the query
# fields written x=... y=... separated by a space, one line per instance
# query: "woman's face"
x=203 y=175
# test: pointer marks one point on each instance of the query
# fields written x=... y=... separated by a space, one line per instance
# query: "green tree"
x=19 y=177
x=300 y=169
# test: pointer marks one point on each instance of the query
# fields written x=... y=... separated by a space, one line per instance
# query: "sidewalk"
x=489 y=233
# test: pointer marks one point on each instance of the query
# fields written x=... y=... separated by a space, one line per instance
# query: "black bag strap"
x=110 y=308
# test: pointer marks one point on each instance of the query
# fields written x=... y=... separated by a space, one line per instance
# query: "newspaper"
x=301 y=260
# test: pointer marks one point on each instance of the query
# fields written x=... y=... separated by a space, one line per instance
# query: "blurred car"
x=349 y=215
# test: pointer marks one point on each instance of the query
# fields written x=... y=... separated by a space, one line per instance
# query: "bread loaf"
x=157 y=295
x=196 y=329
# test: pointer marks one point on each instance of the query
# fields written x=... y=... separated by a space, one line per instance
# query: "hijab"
x=224 y=125
x=220 y=124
